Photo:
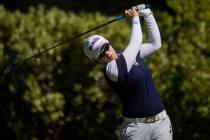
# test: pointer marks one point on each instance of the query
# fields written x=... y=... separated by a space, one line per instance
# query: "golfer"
x=143 y=111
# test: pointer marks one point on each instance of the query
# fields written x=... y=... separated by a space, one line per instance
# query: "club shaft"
x=65 y=41
x=68 y=40
x=75 y=37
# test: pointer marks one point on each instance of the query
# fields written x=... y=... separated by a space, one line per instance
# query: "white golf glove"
x=143 y=11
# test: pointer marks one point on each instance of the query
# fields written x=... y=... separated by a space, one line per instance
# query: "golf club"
x=11 y=67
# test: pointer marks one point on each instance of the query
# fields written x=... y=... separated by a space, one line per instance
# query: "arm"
x=132 y=49
x=154 y=39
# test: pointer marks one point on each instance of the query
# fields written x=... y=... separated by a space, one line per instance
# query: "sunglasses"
x=105 y=47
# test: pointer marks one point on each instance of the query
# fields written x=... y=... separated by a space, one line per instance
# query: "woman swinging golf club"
x=143 y=111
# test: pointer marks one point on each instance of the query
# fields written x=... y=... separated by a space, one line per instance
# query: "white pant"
x=159 y=130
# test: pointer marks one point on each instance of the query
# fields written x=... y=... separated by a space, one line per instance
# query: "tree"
x=184 y=76
x=61 y=94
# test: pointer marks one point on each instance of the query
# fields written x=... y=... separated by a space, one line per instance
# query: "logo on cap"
x=93 y=42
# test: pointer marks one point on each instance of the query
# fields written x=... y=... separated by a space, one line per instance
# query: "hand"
x=143 y=11
x=131 y=12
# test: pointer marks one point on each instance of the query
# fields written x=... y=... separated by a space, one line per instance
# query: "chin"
x=110 y=59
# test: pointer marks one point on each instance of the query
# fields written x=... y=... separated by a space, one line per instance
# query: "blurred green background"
x=64 y=96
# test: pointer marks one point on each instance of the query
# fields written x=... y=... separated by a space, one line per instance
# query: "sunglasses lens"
x=105 y=48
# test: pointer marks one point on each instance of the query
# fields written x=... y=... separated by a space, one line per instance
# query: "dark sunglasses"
x=105 y=47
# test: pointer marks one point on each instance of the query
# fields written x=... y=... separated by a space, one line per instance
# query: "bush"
x=61 y=88
x=62 y=95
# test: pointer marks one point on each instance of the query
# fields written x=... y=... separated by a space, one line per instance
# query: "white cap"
x=92 y=47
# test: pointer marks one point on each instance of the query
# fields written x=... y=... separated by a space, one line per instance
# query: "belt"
x=150 y=119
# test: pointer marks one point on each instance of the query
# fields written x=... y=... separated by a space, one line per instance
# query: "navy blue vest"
x=136 y=89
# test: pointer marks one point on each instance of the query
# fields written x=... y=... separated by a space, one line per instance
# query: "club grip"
x=138 y=8
x=119 y=17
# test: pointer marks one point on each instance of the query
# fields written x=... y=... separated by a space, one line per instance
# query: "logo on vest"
x=135 y=63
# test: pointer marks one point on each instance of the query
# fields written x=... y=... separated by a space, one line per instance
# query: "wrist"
x=135 y=19
x=147 y=15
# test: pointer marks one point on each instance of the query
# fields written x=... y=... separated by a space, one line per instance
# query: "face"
x=108 y=55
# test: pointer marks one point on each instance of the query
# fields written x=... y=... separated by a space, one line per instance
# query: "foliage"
x=183 y=75
x=62 y=95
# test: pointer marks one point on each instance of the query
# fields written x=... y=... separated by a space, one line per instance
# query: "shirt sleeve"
x=132 y=49
x=129 y=53
x=112 y=71
x=154 y=39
